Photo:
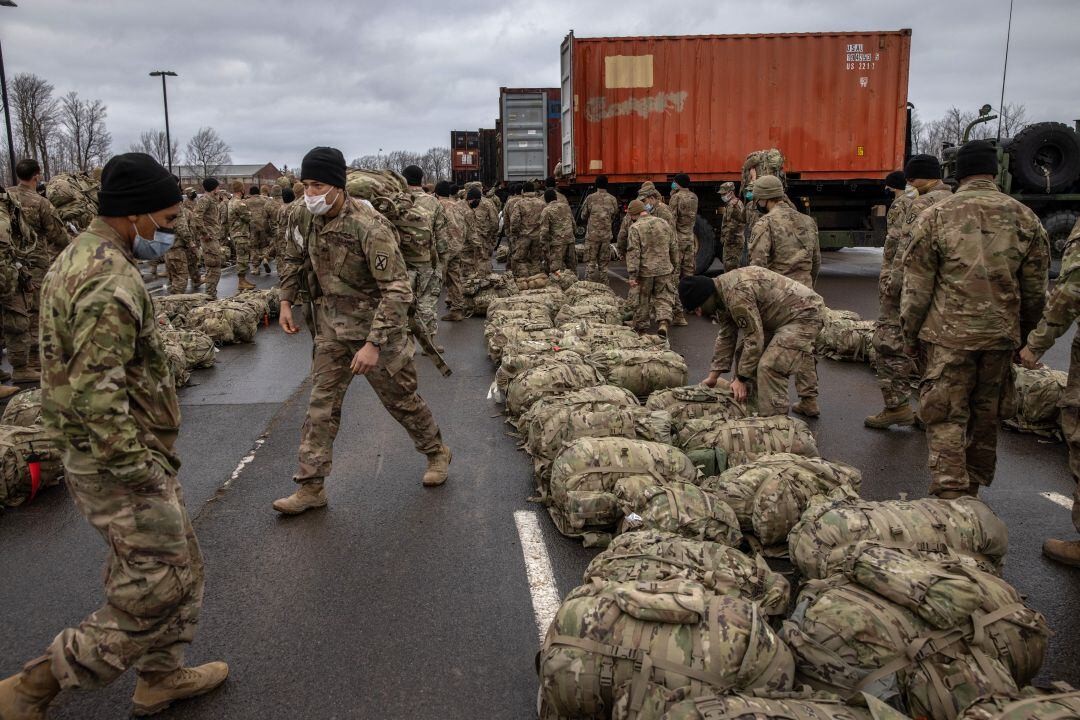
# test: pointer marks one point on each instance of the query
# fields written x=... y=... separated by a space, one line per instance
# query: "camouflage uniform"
x=557 y=233
x=684 y=205
x=40 y=230
x=974 y=280
x=114 y=414
x=1062 y=309
x=487 y=224
x=176 y=257
x=425 y=265
x=363 y=296
x=20 y=247
x=786 y=241
x=207 y=220
x=652 y=258
x=240 y=234
x=455 y=263
x=260 y=208
x=779 y=319
x=599 y=212
x=894 y=369
x=733 y=234
x=525 y=233
x=42 y=218
x=194 y=247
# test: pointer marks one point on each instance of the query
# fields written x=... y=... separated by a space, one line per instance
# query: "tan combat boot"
x=972 y=490
x=1066 y=552
x=7 y=391
x=26 y=696
x=154 y=693
x=662 y=328
x=438 y=467
x=244 y=284
x=807 y=407
x=310 y=496
x=902 y=415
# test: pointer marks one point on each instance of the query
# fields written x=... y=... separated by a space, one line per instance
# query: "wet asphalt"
x=400 y=601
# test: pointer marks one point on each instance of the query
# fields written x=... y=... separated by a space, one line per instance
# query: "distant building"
x=247 y=174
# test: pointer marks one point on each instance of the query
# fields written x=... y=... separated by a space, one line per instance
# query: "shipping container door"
x=524 y=135
x=566 y=61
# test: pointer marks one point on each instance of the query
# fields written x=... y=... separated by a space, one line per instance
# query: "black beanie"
x=413 y=175
x=976 y=157
x=442 y=188
x=287 y=195
x=325 y=165
x=550 y=182
x=253 y=190
x=136 y=184
x=549 y=195
x=473 y=194
x=601 y=181
x=210 y=184
x=896 y=180
x=694 y=290
x=923 y=167
x=682 y=180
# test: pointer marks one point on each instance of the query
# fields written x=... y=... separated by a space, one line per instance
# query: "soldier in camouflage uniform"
x=974 y=286
x=684 y=206
x=549 y=184
x=207 y=227
x=455 y=263
x=779 y=319
x=786 y=241
x=427 y=272
x=347 y=256
x=732 y=227
x=477 y=238
x=38 y=212
x=487 y=220
x=598 y=212
x=109 y=402
x=524 y=231
x=239 y=224
x=1061 y=312
x=176 y=257
x=557 y=233
x=652 y=257
x=261 y=209
x=15 y=235
x=194 y=254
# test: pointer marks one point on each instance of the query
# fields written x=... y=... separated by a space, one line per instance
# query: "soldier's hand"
x=285 y=318
x=739 y=391
x=633 y=282
x=1028 y=359
x=710 y=381
x=365 y=359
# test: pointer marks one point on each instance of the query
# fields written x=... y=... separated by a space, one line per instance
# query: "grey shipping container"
x=530 y=135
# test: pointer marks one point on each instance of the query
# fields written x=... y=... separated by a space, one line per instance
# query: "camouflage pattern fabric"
x=897 y=373
x=523 y=228
x=1062 y=703
x=892 y=287
x=198 y=347
x=697 y=401
x=178 y=307
x=239 y=223
x=456 y=265
x=684 y=206
x=74 y=195
x=23 y=409
x=20 y=446
x=557 y=235
x=845 y=338
x=547 y=379
x=596 y=309
x=178 y=366
x=21 y=298
x=786 y=242
x=511 y=331
x=226 y=321
x=587 y=399
x=585 y=288
x=894 y=231
x=208 y=228
x=596 y=336
x=598 y=212
x=546 y=439
x=641 y=371
x=653 y=262
x=776 y=706
x=678 y=507
x=733 y=234
x=42 y=218
x=512 y=365
x=1039 y=395
x=744 y=440
x=761 y=163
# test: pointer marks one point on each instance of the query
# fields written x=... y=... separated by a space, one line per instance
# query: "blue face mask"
x=155 y=248
x=648 y=207
x=674 y=187
x=749 y=194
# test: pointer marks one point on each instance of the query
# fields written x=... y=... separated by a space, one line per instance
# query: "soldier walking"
x=455 y=263
x=207 y=227
x=239 y=224
x=684 y=206
x=557 y=233
x=732 y=227
x=261 y=209
x=652 y=258
x=598 y=212
x=425 y=262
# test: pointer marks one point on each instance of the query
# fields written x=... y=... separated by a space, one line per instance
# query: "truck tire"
x=706 y=238
x=1058 y=225
x=1052 y=146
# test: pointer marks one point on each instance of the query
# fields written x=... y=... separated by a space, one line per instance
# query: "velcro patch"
x=381 y=260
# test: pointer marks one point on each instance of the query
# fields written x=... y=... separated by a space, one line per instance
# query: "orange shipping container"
x=644 y=108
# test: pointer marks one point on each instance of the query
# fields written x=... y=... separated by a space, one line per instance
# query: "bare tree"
x=154 y=144
x=368 y=162
x=436 y=164
x=1013 y=119
x=88 y=140
x=207 y=152
x=36 y=113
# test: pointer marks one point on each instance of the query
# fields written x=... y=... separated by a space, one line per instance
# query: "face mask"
x=674 y=187
x=648 y=207
x=728 y=198
x=317 y=204
x=153 y=249
x=749 y=194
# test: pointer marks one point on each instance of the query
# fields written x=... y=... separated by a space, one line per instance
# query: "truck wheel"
x=707 y=250
x=1046 y=157
x=1058 y=225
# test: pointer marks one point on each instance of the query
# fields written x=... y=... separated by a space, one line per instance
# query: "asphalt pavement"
x=399 y=601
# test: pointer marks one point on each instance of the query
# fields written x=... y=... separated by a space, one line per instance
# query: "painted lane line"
x=245 y=461
x=1059 y=499
x=545 y=596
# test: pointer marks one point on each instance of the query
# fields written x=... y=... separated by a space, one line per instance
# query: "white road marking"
x=245 y=461
x=1059 y=499
x=545 y=596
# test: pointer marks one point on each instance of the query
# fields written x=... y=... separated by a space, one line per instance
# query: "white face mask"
x=317 y=204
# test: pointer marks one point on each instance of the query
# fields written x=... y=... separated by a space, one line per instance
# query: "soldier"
x=16 y=242
x=732 y=227
x=487 y=219
x=455 y=264
x=974 y=284
x=260 y=207
x=239 y=225
x=557 y=233
x=114 y=416
x=779 y=319
x=684 y=206
x=193 y=255
x=549 y=184
x=786 y=241
x=477 y=238
x=176 y=257
x=361 y=300
x=598 y=212
x=38 y=212
x=426 y=265
x=1062 y=309
x=526 y=244
x=207 y=227
x=654 y=203
x=652 y=257
x=281 y=222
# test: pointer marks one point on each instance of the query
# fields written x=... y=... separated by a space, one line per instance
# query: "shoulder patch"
x=382 y=259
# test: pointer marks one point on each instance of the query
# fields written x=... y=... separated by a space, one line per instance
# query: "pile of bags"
x=845 y=336
x=75 y=197
x=29 y=461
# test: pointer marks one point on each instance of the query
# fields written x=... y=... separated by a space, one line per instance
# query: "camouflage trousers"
x=242 y=248
x=789 y=352
x=562 y=256
x=597 y=256
x=525 y=257
x=331 y=376
x=453 y=278
x=260 y=247
x=191 y=254
x=654 y=295
x=212 y=259
x=153 y=584
x=481 y=261
x=960 y=403
x=1070 y=425
x=687 y=255
x=734 y=249
x=426 y=284
x=895 y=370
x=176 y=265
x=20 y=328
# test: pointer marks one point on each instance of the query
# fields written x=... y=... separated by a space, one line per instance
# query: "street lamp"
x=7 y=111
x=165 y=95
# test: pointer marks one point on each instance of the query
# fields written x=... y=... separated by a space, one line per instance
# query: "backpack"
x=1038 y=394
x=550 y=378
x=260 y=220
x=595 y=336
x=388 y=192
x=1063 y=703
x=677 y=507
x=590 y=398
x=20 y=449
x=746 y=439
x=21 y=240
x=498 y=334
x=198 y=347
x=583 y=289
x=23 y=409
x=770 y=494
x=75 y=197
x=845 y=336
x=766 y=162
x=178 y=307
x=641 y=371
x=510 y=366
x=174 y=352
x=696 y=401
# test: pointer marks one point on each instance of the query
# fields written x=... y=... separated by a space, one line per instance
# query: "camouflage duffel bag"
x=480 y=292
x=530 y=312
x=1061 y=703
x=551 y=378
x=642 y=371
x=658 y=556
x=677 y=507
x=497 y=337
x=177 y=307
x=510 y=366
x=23 y=409
x=610 y=639
x=584 y=289
x=178 y=364
x=845 y=336
x=585 y=399
x=746 y=439
x=697 y=401
x=546 y=437
x=604 y=336
x=542 y=300
x=563 y=279
x=532 y=282
x=595 y=309
x=1038 y=395
x=658 y=703
x=225 y=321
x=267 y=300
x=770 y=494
x=22 y=449
x=198 y=347
x=823 y=540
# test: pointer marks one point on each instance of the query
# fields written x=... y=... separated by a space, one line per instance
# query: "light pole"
x=7 y=110
x=165 y=96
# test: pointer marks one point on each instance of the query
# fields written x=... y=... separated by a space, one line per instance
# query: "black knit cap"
x=136 y=184
x=923 y=167
x=976 y=157
x=694 y=290
x=601 y=181
x=442 y=188
x=413 y=175
x=287 y=195
x=550 y=182
x=210 y=184
x=325 y=165
x=896 y=180
x=473 y=194
x=682 y=180
x=549 y=195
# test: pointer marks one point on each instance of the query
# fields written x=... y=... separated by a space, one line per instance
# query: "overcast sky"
x=276 y=77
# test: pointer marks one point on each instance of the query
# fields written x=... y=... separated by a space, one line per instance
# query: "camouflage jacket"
x=975 y=272
x=524 y=220
x=486 y=220
x=662 y=211
x=890 y=312
x=733 y=224
x=108 y=397
x=473 y=239
x=598 y=211
x=440 y=225
x=561 y=198
x=185 y=236
x=758 y=302
x=260 y=209
x=239 y=219
x=363 y=292
x=684 y=205
x=454 y=212
x=14 y=234
x=208 y=217
x=652 y=249
x=557 y=224
x=43 y=219
x=624 y=234
x=786 y=242
x=496 y=201
x=1063 y=305
x=927 y=198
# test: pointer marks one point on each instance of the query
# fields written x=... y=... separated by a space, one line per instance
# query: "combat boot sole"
x=217 y=673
